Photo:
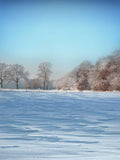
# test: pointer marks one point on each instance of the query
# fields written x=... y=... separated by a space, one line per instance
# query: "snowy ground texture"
x=59 y=126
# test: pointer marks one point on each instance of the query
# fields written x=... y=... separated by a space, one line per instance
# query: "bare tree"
x=3 y=67
x=44 y=72
x=15 y=73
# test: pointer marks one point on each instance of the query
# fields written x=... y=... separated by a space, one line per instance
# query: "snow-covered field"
x=59 y=125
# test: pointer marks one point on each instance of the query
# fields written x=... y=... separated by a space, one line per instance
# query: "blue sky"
x=62 y=32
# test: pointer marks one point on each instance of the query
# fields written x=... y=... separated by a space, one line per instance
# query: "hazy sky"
x=62 y=32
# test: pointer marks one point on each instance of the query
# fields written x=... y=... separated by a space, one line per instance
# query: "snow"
x=59 y=125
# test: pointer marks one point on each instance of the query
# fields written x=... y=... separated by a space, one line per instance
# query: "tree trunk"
x=17 y=84
x=45 y=82
x=44 y=87
x=1 y=83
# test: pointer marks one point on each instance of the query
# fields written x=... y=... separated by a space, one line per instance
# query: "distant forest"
x=102 y=76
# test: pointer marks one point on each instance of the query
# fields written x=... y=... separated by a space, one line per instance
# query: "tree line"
x=102 y=76
x=15 y=73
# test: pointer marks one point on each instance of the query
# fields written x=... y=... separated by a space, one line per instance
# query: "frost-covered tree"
x=15 y=73
x=68 y=82
x=82 y=75
x=3 y=68
x=104 y=75
x=114 y=70
x=44 y=73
